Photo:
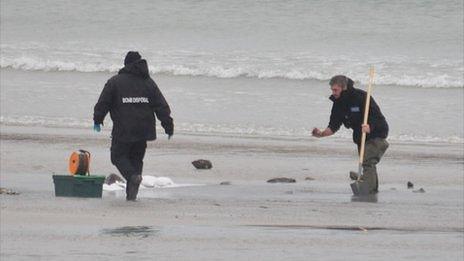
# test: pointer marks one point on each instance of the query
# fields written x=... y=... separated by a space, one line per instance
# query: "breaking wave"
x=444 y=74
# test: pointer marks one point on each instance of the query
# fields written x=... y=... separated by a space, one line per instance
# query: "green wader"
x=374 y=150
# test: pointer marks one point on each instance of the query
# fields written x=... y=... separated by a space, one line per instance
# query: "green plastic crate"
x=78 y=186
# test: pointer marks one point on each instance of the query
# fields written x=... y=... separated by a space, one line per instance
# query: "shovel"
x=359 y=187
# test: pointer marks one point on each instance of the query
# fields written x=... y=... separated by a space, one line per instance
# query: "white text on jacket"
x=135 y=100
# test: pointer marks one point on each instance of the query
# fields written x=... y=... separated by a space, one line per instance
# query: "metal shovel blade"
x=360 y=188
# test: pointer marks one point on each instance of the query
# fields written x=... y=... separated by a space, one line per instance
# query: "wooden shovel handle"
x=366 y=113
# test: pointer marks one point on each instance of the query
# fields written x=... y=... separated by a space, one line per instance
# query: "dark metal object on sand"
x=360 y=188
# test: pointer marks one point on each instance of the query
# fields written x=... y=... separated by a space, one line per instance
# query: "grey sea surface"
x=238 y=67
x=236 y=106
x=412 y=43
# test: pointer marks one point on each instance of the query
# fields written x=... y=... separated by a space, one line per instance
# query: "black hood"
x=349 y=85
x=138 y=68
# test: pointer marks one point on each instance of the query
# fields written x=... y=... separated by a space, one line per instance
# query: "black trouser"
x=128 y=157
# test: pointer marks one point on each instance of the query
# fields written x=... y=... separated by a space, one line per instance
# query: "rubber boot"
x=133 y=187
x=370 y=177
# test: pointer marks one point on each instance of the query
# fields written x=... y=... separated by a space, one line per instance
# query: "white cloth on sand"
x=147 y=182
x=115 y=186
x=156 y=182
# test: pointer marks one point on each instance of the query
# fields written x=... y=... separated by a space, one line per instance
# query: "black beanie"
x=131 y=57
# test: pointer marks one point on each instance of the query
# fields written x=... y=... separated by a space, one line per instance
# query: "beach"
x=249 y=218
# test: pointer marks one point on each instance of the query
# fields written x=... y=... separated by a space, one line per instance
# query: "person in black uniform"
x=348 y=109
x=133 y=99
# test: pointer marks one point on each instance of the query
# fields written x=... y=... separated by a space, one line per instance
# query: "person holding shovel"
x=348 y=109
x=133 y=99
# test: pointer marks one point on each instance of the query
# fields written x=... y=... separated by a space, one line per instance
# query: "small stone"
x=281 y=180
x=263 y=207
x=112 y=178
x=353 y=175
x=392 y=188
x=202 y=164
x=410 y=185
x=421 y=190
x=309 y=178
x=8 y=191
x=225 y=183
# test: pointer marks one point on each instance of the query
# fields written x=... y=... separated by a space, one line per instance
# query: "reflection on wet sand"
x=131 y=231
x=365 y=198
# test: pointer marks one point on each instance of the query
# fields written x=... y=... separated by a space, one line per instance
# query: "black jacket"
x=349 y=110
x=132 y=98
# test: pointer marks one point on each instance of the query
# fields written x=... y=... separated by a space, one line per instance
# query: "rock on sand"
x=281 y=180
x=410 y=185
x=8 y=191
x=202 y=164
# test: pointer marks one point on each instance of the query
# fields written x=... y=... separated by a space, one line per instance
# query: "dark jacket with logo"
x=349 y=110
x=133 y=99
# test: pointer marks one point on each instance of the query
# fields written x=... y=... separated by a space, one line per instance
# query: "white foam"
x=395 y=71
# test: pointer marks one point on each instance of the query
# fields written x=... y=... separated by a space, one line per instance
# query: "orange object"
x=79 y=163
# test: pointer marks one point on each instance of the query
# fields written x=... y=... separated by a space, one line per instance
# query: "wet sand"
x=249 y=219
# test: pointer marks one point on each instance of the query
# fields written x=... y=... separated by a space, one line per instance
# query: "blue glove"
x=96 y=127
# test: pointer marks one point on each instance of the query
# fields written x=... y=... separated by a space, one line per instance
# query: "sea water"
x=238 y=67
